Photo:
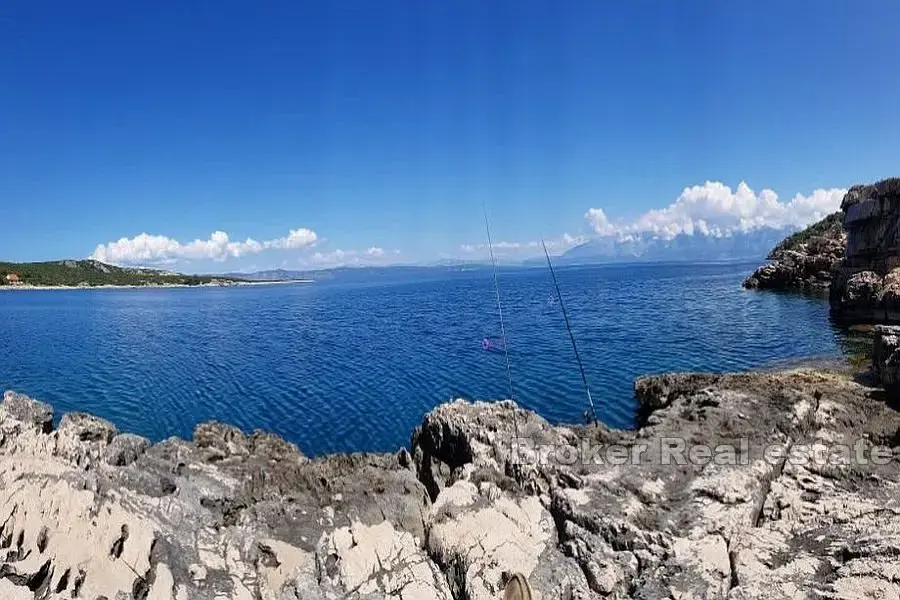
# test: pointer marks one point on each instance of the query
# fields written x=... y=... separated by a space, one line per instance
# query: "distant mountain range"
x=754 y=245
x=278 y=275
x=682 y=248
x=361 y=274
x=444 y=265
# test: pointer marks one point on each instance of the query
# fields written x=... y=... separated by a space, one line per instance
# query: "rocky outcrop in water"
x=866 y=284
x=804 y=261
x=582 y=512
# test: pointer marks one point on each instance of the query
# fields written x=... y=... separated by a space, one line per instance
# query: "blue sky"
x=375 y=131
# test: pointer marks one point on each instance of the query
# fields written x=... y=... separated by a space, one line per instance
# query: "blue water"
x=353 y=366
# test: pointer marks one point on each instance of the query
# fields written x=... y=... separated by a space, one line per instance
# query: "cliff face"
x=803 y=261
x=866 y=284
x=87 y=512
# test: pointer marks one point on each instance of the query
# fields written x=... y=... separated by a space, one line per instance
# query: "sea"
x=353 y=363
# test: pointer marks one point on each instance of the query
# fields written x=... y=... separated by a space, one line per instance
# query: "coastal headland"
x=95 y=275
x=853 y=254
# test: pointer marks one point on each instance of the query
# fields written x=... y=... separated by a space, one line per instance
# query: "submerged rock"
x=725 y=491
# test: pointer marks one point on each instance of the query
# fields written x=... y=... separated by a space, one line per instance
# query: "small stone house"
x=13 y=279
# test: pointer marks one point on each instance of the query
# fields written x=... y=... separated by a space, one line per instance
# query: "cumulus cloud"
x=712 y=209
x=599 y=221
x=563 y=242
x=158 y=249
x=350 y=258
x=294 y=240
x=715 y=209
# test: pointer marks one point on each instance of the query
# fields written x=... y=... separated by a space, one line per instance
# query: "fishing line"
x=571 y=336
x=509 y=384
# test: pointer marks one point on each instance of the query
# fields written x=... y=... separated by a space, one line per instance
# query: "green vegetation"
x=90 y=273
x=829 y=227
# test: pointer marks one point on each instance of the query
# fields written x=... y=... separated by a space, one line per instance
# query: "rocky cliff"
x=87 y=512
x=804 y=260
x=867 y=281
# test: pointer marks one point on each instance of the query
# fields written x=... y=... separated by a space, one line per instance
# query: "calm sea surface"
x=353 y=366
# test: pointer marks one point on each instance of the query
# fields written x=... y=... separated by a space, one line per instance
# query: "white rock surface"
x=86 y=512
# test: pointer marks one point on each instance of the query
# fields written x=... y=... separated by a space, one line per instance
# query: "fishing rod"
x=487 y=226
x=571 y=335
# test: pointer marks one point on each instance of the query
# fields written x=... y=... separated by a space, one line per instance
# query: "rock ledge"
x=87 y=512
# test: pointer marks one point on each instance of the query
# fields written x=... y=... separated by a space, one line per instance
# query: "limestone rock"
x=125 y=448
x=872 y=221
x=86 y=428
x=860 y=293
x=890 y=294
x=381 y=561
x=647 y=529
x=804 y=261
x=884 y=192
x=22 y=409
x=734 y=486
x=223 y=440
x=855 y=254
x=86 y=513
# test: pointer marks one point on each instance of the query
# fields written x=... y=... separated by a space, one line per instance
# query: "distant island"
x=276 y=275
x=93 y=273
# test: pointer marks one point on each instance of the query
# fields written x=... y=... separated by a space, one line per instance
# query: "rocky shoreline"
x=88 y=512
x=805 y=260
x=854 y=254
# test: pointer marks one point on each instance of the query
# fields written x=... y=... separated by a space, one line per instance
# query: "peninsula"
x=92 y=273
x=805 y=260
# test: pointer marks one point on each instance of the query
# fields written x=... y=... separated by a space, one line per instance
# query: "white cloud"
x=715 y=209
x=567 y=241
x=373 y=256
x=563 y=242
x=599 y=221
x=158 y=249
x=712 y=209
x=295 y=239
x=334 y=257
